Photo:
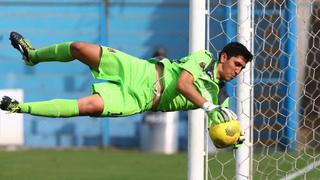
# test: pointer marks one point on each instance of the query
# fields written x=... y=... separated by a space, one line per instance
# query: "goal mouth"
x=278 y=93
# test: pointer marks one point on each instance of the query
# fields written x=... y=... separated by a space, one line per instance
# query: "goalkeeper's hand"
x=240 y=140
x=217 y=114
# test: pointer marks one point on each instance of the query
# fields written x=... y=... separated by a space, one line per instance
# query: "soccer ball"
x=225 y=134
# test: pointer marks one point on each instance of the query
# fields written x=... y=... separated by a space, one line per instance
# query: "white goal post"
x=245 y=90
x=197 y=128
x=196 y=124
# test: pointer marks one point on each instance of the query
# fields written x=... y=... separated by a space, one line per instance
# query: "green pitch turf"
x=91 y=165
x=108 y=164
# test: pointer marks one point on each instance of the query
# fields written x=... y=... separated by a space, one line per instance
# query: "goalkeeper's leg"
x=88 y=106
x=86 y=53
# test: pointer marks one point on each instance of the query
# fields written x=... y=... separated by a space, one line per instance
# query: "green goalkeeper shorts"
x=129 y=86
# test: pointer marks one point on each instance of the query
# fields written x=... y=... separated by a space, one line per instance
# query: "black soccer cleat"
x=22 y=45
x=9 y=104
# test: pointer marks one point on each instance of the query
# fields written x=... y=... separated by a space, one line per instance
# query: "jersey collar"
x=211 y=70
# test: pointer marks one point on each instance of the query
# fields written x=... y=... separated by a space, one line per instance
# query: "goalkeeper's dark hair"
x=235 y=49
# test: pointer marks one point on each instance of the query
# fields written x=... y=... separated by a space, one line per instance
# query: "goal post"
x=196 y=139
x=196 y=124
x=245 y=90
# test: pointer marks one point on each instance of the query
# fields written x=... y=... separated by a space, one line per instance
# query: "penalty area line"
x=302 y=171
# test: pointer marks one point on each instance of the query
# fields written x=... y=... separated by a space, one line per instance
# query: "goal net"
x=284 y=129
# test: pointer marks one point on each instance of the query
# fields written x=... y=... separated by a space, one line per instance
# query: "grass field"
x=91 y=164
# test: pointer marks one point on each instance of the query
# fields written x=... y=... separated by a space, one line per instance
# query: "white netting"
x=286 y=104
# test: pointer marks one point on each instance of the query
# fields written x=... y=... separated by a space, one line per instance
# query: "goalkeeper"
x=133 y=85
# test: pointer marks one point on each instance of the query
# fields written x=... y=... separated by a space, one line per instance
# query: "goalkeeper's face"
x=229 y=68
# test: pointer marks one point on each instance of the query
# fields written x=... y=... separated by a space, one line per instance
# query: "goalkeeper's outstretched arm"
x=187 y=89
x=216 y=114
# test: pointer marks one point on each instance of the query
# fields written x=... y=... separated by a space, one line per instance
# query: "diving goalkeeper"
x=133 y=85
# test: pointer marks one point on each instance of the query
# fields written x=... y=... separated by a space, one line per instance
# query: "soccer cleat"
x=8 y=104
x=23 y=46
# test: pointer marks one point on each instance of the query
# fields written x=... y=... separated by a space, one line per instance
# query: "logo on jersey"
x=202 y=65
x=111 y=50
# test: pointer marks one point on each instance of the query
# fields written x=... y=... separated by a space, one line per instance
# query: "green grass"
x=91 y=164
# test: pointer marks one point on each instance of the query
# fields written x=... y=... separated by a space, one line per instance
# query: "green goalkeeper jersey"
x=202 y=66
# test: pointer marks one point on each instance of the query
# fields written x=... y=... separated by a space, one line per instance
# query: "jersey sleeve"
x=196 y=62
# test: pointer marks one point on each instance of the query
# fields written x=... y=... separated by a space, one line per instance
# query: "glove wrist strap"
x=208 y=106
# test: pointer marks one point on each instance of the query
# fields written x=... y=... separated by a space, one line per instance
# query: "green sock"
x=52 y=108
x=58 y=52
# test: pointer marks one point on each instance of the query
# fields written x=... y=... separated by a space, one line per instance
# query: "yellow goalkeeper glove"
x=240 y=140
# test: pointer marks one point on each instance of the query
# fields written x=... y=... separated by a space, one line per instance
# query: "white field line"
x=302 y=171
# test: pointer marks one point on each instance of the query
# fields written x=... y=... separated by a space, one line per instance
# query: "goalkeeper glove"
x=218 y=114
x=240 y=140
